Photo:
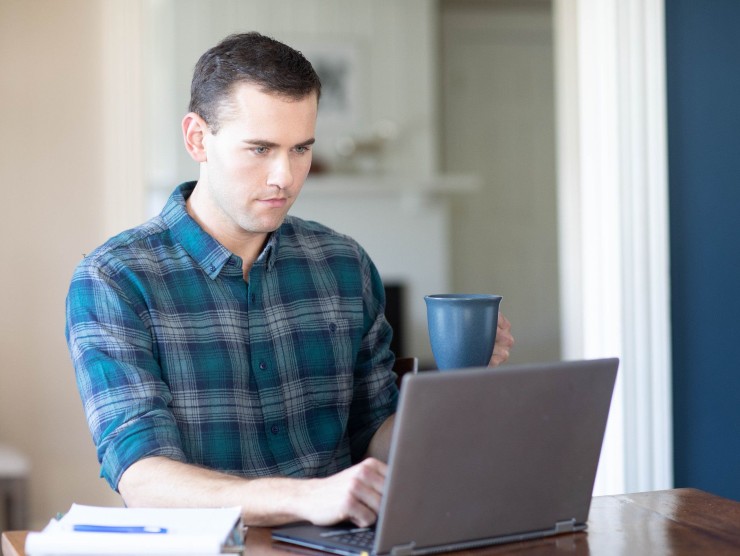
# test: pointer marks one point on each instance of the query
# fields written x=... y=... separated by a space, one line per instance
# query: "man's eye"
x=260 y=150
x=302 y=149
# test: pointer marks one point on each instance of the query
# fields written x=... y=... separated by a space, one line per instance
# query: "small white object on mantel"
x=414 y=192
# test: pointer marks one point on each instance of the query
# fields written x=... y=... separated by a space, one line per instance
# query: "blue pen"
x=82 y=528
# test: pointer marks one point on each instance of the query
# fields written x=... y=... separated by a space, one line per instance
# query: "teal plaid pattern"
x=176 y=355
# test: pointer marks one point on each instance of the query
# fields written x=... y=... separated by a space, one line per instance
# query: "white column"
x=613 y=217
x=645 y=259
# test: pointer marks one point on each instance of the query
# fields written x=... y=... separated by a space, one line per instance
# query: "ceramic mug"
x=462 y=328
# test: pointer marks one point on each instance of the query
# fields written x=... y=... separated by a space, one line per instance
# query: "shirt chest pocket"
x=325 y=354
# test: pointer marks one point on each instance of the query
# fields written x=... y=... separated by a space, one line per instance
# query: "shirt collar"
x=207 y=252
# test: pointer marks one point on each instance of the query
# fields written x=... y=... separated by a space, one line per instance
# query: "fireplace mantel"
x=413 y=191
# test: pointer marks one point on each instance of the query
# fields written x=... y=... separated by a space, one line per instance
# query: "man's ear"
x=194 y=129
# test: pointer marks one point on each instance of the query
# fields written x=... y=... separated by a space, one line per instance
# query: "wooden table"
x=670 y=522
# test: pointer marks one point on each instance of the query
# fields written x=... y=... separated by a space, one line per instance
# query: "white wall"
x=50 y=159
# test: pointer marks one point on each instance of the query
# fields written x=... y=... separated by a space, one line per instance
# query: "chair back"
x=405 y=365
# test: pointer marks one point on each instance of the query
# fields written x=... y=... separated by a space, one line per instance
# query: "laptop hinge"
x=567 y=526
x=404 y=549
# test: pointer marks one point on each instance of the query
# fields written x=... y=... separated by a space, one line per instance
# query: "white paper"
x=189 y=531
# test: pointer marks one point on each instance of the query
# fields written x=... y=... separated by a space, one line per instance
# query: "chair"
x=405 y=365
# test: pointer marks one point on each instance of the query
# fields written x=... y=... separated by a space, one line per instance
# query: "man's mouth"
x=275 y=202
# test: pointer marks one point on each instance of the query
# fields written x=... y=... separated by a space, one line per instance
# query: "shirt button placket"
x=265 y=370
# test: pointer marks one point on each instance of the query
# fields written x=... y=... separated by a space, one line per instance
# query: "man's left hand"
x=504 y=342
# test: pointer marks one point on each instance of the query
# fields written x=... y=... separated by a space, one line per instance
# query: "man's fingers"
x=504 y=342
x=353 y=494
x=503 y=322
x=367 y=485
x=499 y=357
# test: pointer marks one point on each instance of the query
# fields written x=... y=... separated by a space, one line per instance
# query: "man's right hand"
x=351 y=495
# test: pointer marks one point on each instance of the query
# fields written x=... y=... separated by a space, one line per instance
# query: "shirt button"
x=263 y=365
x=212 y=268
x=253 y=298
x=274 y=429
x=333 y=327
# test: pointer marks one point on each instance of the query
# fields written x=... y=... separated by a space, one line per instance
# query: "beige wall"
x=50 y=162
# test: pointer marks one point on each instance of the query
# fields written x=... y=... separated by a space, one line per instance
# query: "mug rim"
x=464 y=296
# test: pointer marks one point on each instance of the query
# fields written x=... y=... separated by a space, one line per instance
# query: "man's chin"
x=264 y=226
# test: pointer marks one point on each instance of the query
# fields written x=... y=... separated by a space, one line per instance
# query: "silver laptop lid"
x=484 y=453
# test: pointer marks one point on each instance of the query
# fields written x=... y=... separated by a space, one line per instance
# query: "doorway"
x=498 y=122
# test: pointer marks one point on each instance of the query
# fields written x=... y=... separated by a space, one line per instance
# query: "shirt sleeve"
x=120 y=382
x=375 y=391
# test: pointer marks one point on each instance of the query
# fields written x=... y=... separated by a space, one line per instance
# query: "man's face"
x=258 y=160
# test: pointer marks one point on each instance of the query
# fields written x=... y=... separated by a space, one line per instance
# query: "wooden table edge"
x=14 y=543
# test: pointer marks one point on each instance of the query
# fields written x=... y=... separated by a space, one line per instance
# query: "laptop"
x=483 y=456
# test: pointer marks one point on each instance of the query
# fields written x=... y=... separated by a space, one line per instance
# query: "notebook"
x=100 y=530
x=484 y=456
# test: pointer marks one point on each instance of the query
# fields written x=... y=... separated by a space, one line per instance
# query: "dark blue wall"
x=703 y=64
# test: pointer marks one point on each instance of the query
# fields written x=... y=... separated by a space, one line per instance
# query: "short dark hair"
x=249 y=58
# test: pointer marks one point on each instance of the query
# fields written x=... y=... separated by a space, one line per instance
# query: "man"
x=228 y=354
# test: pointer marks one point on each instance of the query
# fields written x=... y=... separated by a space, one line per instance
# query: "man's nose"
x=281 y=173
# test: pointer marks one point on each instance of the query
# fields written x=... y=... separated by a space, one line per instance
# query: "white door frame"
x=613 y=215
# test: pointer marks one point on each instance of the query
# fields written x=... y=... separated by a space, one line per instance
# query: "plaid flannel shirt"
x=176 y=355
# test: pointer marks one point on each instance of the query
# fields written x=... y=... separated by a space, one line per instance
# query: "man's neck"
x=246 y=245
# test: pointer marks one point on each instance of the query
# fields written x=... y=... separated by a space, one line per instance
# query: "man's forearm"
x=162 y=482
x=380 y=443
x=353 y=494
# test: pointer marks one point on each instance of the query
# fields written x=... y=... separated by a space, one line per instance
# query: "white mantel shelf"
x=394 y=185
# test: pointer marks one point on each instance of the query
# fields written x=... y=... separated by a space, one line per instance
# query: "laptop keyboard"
x=363 y=538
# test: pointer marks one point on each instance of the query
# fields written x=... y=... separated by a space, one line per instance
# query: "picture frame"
x=338 y=65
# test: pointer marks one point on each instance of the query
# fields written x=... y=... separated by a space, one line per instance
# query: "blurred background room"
x=515 y=147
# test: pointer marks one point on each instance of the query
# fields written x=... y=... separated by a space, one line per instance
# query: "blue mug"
x=462 y=328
